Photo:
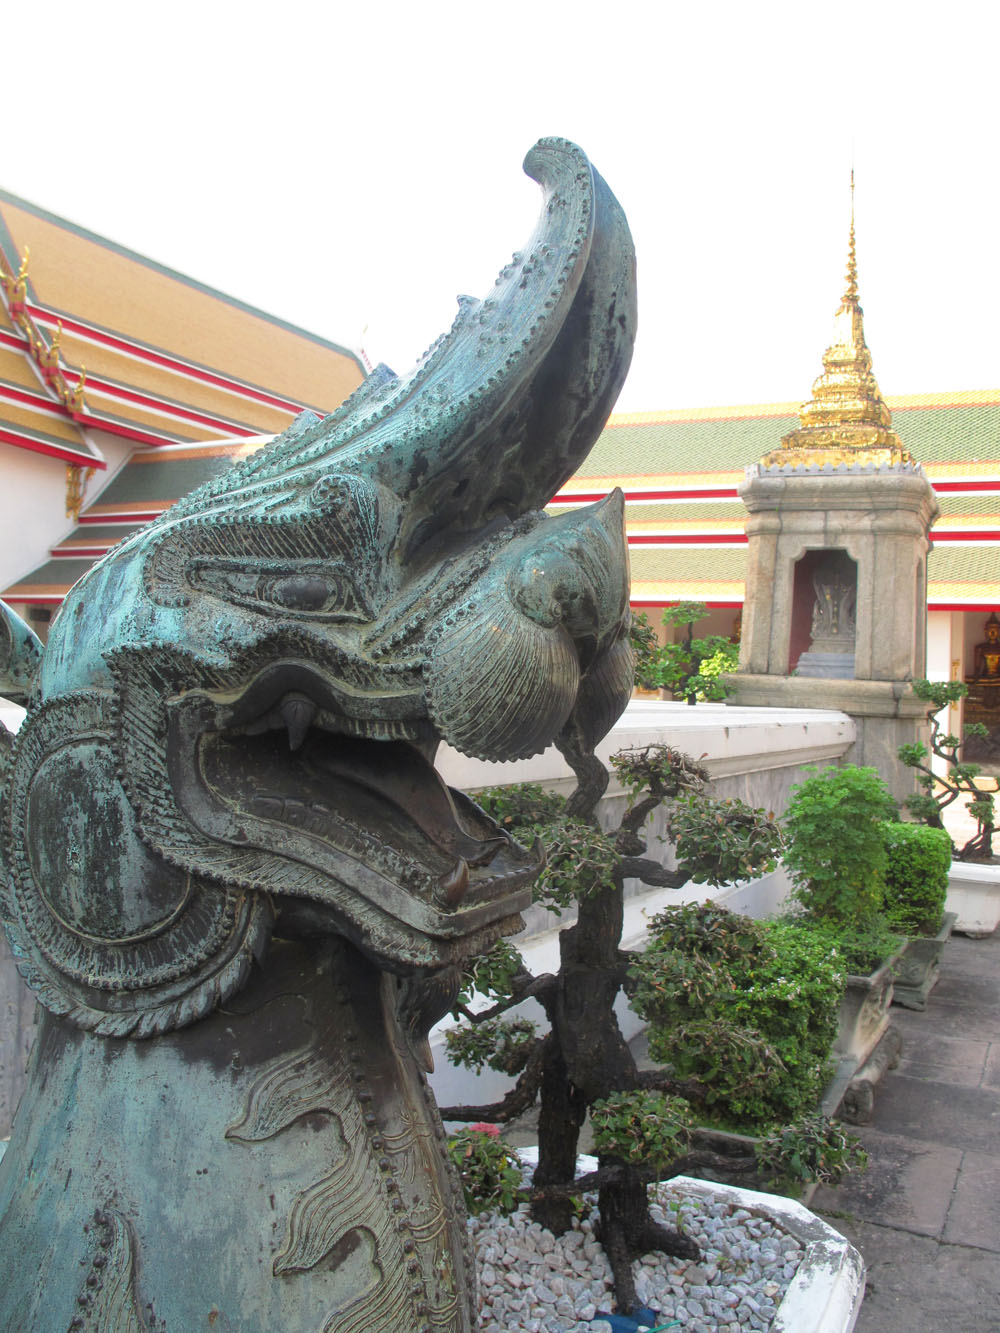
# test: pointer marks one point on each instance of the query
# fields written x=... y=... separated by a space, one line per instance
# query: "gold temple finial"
x=76 y=403
x=847 y=419
x=851 y=294
x=77 y=478
x=16 y=284
x=48 y=357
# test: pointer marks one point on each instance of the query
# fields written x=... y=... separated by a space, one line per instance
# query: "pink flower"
x=492 y=1130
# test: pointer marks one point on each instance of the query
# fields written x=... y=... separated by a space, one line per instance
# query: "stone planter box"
x=864 y=1013
x=866 y=1046
x=919 y=965
x=974 y=897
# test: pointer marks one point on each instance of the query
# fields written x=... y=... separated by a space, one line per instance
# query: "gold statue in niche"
x=986 y=658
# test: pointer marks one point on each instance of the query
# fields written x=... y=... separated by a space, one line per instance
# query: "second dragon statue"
x=233 y=876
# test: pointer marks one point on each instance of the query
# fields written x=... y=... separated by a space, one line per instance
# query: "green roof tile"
x=162 y=479
x=660 y=564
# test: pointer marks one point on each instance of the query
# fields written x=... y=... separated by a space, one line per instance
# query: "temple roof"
x=95 y=337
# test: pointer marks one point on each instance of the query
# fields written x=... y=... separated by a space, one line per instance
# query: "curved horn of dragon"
x=232 y=874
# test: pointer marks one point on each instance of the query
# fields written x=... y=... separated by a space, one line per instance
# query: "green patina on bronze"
x=232 y=874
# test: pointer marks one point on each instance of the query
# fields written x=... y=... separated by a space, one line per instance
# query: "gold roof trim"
x=847 y=419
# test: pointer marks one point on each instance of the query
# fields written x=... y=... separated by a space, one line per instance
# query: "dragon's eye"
x=301 y=592
x=307 y=589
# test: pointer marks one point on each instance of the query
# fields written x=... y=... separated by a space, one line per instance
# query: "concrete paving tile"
x=916 y=1285
x=908 y=1184
x=965 y=957
x=991 y=1068
x=976 y=1022
x=974 y=1215
x=967 y=1078
x=939 y=1112
x=944 y=1059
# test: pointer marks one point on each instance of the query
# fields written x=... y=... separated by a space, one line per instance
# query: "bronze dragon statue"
x=232 y=874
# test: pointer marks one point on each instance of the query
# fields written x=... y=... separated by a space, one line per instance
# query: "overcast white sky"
x=349 y=166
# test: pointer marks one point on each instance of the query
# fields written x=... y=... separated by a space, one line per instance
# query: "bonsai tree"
x=748 y=1009
x=939 y=790
x=583 y=1061
x=692 y=669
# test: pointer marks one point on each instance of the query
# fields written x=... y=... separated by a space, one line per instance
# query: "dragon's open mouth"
x=363 y=824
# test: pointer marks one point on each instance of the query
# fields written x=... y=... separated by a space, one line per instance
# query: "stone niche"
x=824 y=615
x=836 y=600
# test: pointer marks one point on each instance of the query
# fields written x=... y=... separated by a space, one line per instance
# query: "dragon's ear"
x=20 y=656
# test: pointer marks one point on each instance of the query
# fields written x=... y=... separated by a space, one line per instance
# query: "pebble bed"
x=533 y=1282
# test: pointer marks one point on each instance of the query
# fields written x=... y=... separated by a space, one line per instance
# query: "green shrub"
x=502 y=1043
x=834 y=845
x=490 y=1171
x=748 y=1008
x=720 y=841
x=916 y=877
x=860 y=949
x=491 y=974
x=691 y=669
x=523 y=805
x=579 y=858
x=642 y=1127
x=646 y=647
x=813 y=1148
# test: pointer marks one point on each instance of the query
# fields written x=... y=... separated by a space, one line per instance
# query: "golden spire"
x=846 y=420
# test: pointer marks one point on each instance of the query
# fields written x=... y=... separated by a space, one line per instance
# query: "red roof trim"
x=129 y=517
x=123 y=428
x=160 y=405
x=36 y=400
x=52 y=450
x=13 y=340
x=631 y=497
x=643 y=602
x=706 y=538
x=142 y=353
x=983 y=484
x=56 y=598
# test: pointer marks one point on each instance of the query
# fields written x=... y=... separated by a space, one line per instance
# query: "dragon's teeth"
x=297 y=712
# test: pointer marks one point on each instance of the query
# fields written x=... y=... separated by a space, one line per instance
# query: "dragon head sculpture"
x=235 y=719
x=231 y=736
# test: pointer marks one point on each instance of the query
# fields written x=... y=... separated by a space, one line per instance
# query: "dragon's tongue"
x=401 y=775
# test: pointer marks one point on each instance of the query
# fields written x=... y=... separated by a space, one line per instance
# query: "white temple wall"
x=33 y=502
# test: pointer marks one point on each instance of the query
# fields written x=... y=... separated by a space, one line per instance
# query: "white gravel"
x=533 y=1282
